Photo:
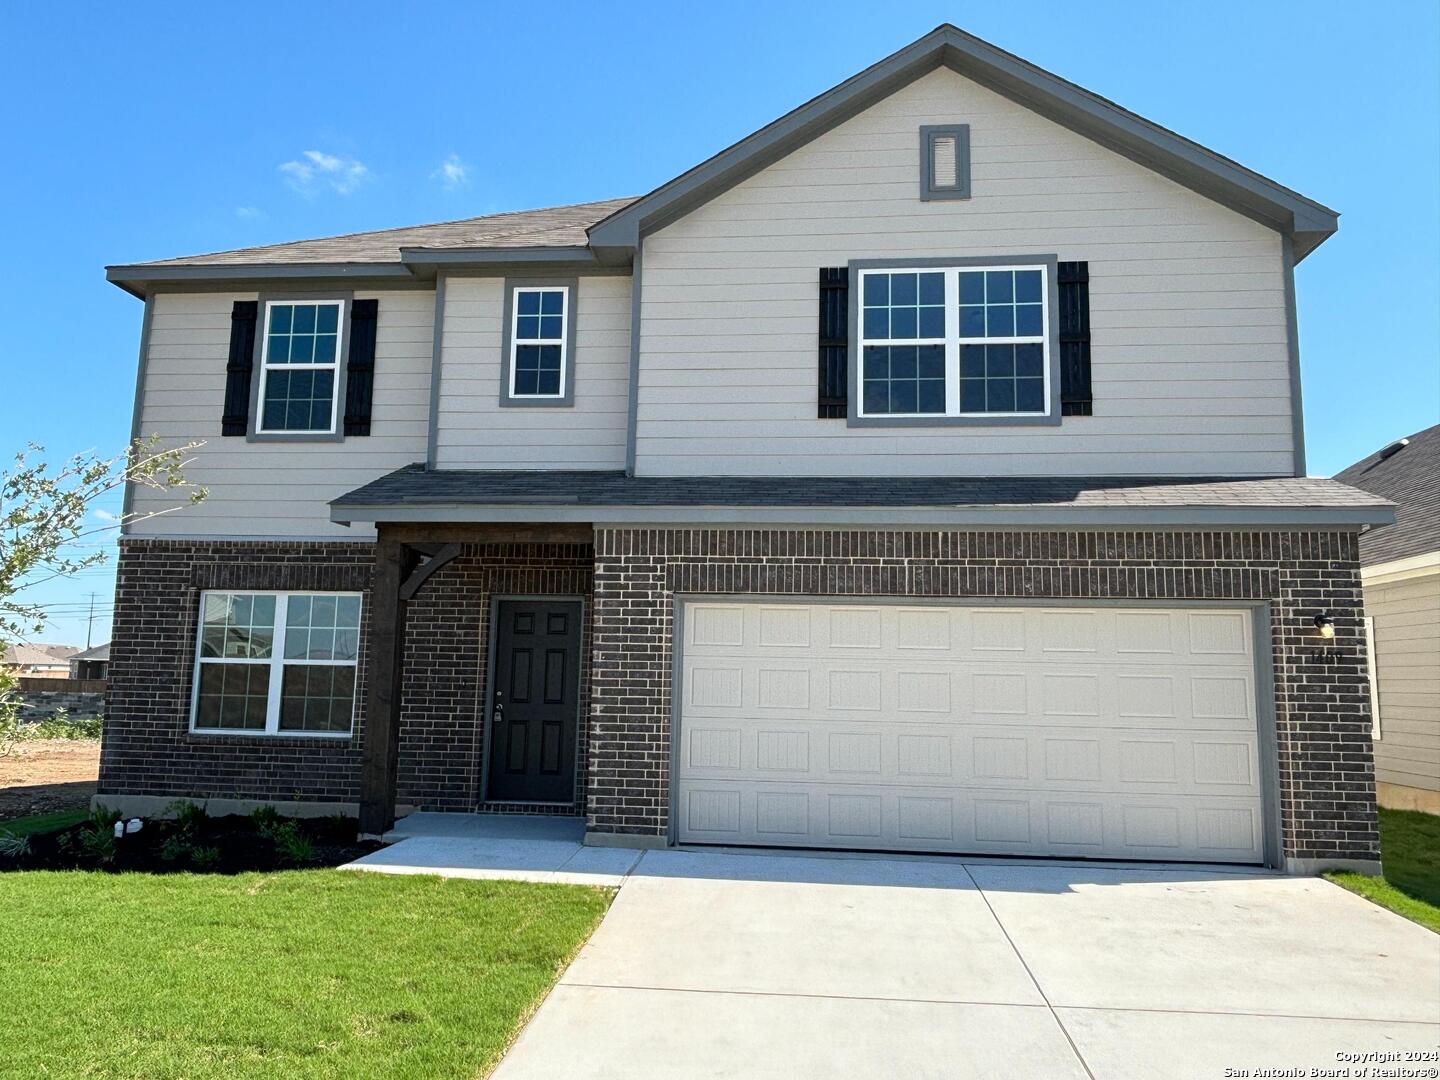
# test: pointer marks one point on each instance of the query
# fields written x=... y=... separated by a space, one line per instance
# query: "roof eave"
x=1002 y=516
x=140 y=279
x=1149 y=144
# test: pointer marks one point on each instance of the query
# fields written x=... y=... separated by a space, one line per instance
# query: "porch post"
x=382 y=695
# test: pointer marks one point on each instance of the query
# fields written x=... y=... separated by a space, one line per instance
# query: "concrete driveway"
x=766 y=965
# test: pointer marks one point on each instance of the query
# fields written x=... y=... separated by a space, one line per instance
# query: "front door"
x=534 y=701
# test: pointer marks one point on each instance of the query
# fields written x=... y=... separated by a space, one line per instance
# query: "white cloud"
x=105 y=515
x=249 y=213
x=315 y=169
x=452 y=173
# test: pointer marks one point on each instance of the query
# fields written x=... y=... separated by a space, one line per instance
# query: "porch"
x=462 y=616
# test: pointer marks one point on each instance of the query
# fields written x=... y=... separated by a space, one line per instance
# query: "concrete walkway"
x=723 y=964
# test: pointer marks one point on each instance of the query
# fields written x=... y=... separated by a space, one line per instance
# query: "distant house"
x=91 y=664
x=40 y=661
x=1400 y=568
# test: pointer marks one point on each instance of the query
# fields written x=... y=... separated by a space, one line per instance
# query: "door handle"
x=498 y=713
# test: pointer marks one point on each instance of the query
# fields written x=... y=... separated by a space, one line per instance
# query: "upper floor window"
x=956 y=341
x=270 y=663
x=539 y=343
x=300 y=367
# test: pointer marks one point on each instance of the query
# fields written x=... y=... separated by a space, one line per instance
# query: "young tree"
x=44 y=526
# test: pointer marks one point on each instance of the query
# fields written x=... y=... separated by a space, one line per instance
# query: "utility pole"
x=89 y=626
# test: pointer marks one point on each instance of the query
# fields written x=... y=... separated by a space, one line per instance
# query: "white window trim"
x=562 y=340
x=265 y=368
x=276 y=662
x=1372 y=673
x=953 y=340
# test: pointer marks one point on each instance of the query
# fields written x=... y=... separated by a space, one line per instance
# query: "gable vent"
x=944 y=161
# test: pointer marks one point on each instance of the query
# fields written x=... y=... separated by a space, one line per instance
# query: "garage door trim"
x=1260 y=619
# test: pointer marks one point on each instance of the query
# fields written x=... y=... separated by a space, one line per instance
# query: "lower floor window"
x=274 y=663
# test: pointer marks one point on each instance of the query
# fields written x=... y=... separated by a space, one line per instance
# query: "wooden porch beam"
x=381 y=752
x=485 y=533
x=435 y=559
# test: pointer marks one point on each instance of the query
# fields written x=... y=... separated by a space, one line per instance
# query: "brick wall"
x=447 y=642
x=1327 y=800
x=148 y=748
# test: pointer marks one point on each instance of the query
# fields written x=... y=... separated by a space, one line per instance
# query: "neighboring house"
x=90 y=664
x=923 y=472
x=1400 y=568
x=39 y=661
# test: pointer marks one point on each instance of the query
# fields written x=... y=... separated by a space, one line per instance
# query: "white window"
x=955 y=341
x=274 y=663
x=300 y=367
x=538 y=359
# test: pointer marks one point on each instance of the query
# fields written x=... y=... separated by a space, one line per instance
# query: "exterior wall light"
x=1325 y=625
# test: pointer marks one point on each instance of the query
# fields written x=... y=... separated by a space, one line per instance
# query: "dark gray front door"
x=534 y=701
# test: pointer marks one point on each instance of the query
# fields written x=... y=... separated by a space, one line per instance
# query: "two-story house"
x=924 y=472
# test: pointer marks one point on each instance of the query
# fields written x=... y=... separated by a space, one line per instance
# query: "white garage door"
x=1100 y=732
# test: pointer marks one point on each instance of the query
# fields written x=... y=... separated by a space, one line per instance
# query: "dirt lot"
x=42 y=777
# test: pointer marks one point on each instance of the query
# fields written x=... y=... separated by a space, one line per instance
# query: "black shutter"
x=236 y=418
x=1074 y=281
x=360 y=368
x=834 y=343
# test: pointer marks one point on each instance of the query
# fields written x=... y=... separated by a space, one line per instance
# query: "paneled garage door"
x=1101 y=732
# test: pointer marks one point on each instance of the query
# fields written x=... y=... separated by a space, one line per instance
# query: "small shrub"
x=176 y=848
x=12 y=846
x=266 y=820
x=292 y=845
x=190 y=817
x=96 y=842
x=205 y=858
x=102 y=817
x=64 y=726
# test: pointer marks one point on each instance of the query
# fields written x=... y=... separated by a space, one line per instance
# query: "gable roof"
x=25 y=655
x=610 y=230
x=1410 y=478
x=1213 y=175
x=99 y=652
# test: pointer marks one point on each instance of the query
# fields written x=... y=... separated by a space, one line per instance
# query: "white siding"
x=1190 y=361
x=1407 y=661
x=474 y=432
x=275 y=489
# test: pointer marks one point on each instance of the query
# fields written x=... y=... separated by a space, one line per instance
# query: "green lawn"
x=43 y=823
x=319 y=973
x=1410 y=855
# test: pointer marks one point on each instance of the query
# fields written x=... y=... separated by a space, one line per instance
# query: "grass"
x=43 y=823
x=300 y=974
x=1410 y=857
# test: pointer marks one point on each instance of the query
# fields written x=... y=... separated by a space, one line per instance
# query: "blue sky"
x=141 y=132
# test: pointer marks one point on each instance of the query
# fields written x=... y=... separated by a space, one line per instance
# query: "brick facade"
x=149 y=749
x=1327 y=799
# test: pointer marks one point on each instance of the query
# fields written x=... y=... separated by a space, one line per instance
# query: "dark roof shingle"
x=1410 y=478
x=416 y=488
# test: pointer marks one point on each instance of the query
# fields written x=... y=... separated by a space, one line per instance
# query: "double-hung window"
x=537 y=343
x=276 y=663
x=962 y=341
x=300 y=367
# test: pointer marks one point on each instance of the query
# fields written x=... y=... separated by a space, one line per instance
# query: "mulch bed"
x=197 y=844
